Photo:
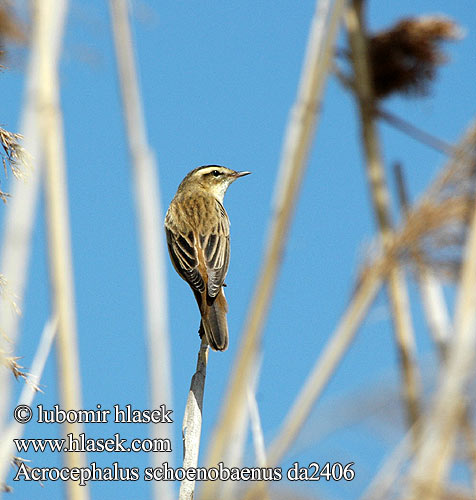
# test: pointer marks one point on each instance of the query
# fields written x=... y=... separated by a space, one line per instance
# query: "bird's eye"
x=215 y=173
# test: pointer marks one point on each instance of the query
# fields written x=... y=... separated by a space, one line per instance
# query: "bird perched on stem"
x=198 y=238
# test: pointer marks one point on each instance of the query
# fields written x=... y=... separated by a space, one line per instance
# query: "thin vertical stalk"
x=255 y=422
x=21 y=208
x=15 y=430
x=58 y=229
x=256 y=429
x=297 y=143
x=149 y=219
x=381 y=204
x=433 y=300
x=236 y=448
x=192 y=421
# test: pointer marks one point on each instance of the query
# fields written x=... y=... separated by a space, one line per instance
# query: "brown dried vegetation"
x=405 y=57
x=11 y=29
x=13 y=156
x=438 y=224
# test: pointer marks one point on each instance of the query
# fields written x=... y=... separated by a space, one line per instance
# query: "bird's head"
x=214 y=179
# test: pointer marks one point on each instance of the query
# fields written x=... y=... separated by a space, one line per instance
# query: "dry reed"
x=426 y=217
x=397 y=290
x=15 y=429
x=434 y=305
x=21 y=209
x=11 y=29
x=398 y=122
x=249 y=420
x=58 y=231
x=437 y=317
x=404 y=58
x=448 y=408
x=192 y=421
x=323 y=369
x=149 y=220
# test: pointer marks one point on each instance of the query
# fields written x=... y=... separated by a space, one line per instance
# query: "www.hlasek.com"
x=80 y=443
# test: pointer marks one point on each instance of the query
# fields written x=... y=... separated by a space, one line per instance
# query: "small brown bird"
x=198 y=238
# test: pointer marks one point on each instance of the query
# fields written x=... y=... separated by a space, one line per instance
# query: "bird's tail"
x=214 y=325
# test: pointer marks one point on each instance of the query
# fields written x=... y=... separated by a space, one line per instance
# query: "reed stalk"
x=432 y=461
x=438 y=320
x=297 y=143
x=323 y=369
x=459 y=166
x=192 y=421
x=415 y=132
x=58 y=232
x=15 y=430
x=381 y=484
x=433 y=300
x=249 y=419
x=400 y=123
x=21 y=208
x=149 y=220
x=397 y=290
x=370 y=282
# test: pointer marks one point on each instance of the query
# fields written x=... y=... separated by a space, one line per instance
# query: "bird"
x=198 y=239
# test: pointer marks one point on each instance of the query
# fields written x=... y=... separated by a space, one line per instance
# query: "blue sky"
x=218 y=80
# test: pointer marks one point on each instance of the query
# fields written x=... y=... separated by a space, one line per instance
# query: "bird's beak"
x=241 y=174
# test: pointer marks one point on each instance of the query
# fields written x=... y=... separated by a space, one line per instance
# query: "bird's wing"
x=216 y=252
x=183 y=252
